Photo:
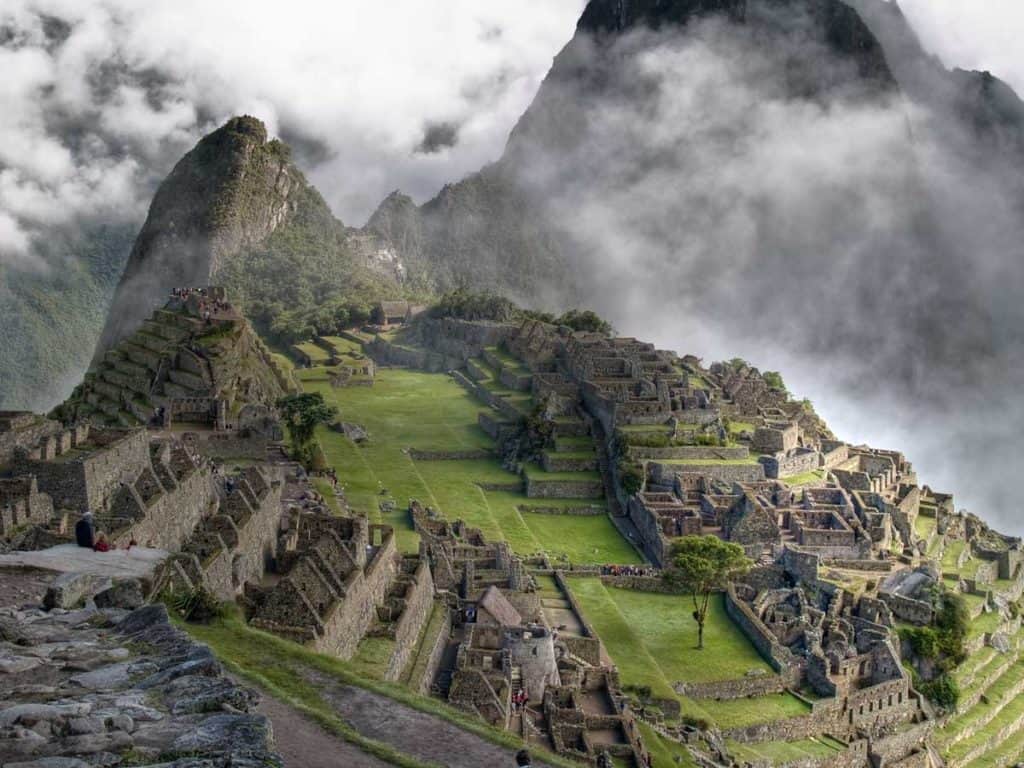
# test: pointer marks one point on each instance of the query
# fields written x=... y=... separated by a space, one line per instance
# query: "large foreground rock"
x=97 y=686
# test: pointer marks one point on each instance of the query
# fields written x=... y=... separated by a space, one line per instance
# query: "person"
x=101 y=545
x=85 y=531
x=523 y=758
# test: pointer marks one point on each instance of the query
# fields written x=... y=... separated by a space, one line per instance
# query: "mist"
x=722 y=202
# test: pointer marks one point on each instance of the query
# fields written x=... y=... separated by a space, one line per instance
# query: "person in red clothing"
x=101 y=545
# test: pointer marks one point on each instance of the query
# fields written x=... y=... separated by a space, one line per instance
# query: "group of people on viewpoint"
x=628 y=570
x=87 y=536
x=207 y=307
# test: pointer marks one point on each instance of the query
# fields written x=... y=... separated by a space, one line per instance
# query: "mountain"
x=751 y=156
x=235 y=210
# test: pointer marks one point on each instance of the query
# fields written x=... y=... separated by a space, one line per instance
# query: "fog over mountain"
x=715 y=199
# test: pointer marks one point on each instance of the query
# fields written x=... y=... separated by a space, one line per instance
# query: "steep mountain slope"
x=51 y=319
x=733 y=158
x=236 y=210
x=499 y=226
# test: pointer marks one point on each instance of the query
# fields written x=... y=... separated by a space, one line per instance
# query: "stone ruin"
x=505 y=648
x=185 y=365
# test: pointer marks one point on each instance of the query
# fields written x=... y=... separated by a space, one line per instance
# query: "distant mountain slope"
x=235 y=210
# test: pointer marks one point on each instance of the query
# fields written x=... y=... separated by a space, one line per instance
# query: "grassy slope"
x=408 y=409
x=652 y=639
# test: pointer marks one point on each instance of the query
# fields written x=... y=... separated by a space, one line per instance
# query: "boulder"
x=143 y=618
x=69 y=590
x=226 y=733
x=126 y=593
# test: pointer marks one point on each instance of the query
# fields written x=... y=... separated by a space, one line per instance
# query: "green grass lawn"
x=805 y=478
x=664 y=752
x=408 y=409
x=372 y=656
x=652 y=639
x=924 y=526
x=315 y=353
x=778 y=752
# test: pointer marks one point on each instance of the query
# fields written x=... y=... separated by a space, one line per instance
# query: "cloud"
x=100 y=98
x=438 y=137
x=972 y=35
x=724 y=198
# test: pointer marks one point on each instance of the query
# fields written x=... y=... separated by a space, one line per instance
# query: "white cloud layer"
x=97 y=107
x=100 y=97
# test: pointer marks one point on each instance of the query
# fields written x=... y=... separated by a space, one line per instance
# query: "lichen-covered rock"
x=122 y=594
x=106 y=682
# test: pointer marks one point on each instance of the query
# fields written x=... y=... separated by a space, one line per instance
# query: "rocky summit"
x=387 y=495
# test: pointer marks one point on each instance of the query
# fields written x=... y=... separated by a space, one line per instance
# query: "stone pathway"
x=421 y=735
x=302 y=742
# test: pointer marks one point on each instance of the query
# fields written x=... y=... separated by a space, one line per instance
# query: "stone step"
x=150 y=342
x=170 y=389
x=121 y=380
x=189 y=380
x=140 y=355
x=129 y=368
x=109 y=391
x=555 y=461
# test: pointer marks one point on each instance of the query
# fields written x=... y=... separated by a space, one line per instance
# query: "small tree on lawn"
x=302 y=413
x=701 y=565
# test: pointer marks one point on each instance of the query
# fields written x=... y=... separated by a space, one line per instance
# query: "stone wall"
x=419 y=601
x=346 y=623
x=724 y=690
x=639 y=452
x=563 y=489
x=663 y=474
x=780 y=658
x=434 y=647
x=786 y=465
x=174 y=515
x=86 y=481
x=23 y=430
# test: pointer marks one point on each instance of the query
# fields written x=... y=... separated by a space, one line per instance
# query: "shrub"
x=631 y=477
x=943 y=691
x=199 y=605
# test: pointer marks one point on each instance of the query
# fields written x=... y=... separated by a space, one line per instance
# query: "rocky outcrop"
x=96 y=687
x=232 y=190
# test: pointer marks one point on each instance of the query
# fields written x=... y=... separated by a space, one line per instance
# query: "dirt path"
x=304 y=744
x=421 y=735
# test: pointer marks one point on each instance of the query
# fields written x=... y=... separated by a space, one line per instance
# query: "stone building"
x=335 y=572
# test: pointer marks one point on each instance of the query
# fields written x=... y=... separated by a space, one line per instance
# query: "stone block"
x=69 y=590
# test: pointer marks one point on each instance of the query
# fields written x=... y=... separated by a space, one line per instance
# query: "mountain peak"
x=233 y=189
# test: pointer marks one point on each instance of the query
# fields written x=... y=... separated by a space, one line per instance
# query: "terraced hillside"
x=425 y=443
x=182 y=364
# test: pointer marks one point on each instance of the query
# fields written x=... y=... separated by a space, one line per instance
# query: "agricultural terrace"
x=406 y=410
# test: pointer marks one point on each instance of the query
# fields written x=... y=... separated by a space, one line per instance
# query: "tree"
x=701 y=565
x=302 y=413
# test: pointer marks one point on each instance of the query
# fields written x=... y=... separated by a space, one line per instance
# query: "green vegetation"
x=303 y=414
x=943 y=644
x=651 y=642
x=485 y=305
x=806 y=478
x=430 y=412
x=372 y=656
x=774 y=380
x=702 y=565
x=779 y=752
